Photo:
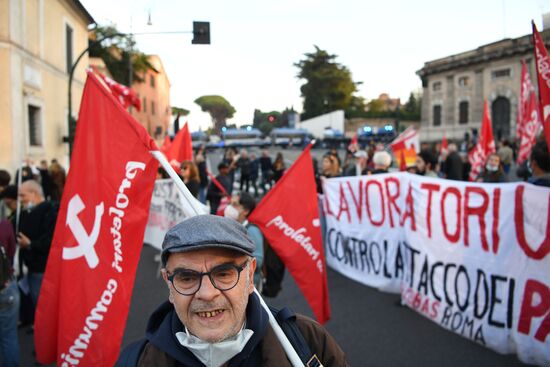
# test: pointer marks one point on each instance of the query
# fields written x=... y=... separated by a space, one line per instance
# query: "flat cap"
x=206 y=231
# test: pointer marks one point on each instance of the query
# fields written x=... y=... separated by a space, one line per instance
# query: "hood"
x=164 y=324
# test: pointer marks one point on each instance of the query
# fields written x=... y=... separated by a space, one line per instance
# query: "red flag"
x=181 y=148
x=543 y=72
x=444 y=149
x=89 y=277
x=406 y=140
x=166 y=145
x=354 y=143
x=529 y=122
x=292 y=228
x=403 y=161
x=126 y=96
x=485 y=145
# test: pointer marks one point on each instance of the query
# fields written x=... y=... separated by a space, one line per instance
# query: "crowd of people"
x=38 y=189
x=242 y=178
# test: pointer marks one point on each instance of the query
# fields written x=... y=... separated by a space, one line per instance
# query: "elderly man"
x=213 y=318
x=35 y=233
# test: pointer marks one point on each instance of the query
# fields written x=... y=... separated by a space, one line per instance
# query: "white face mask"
x=491 y=168
x=231 y=212
x=215 y=354
x=29 y=205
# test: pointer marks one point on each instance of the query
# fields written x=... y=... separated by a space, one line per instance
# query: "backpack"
x=4 y=267
x=285 y=317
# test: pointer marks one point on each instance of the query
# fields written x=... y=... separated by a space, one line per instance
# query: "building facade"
x=154 y=93
x=455 y=88
x=39 y=41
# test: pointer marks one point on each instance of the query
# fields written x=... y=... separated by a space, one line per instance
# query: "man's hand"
x=23 y=240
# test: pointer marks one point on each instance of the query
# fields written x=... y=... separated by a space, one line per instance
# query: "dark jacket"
x=453 y=167
x=38 y=224
x=203 y=174
x=265 y=164
x=193 y=187
x=263 y=348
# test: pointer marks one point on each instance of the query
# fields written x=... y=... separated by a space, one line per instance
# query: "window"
x=437 y=115
x=144 y=104
x=152 y=107
x=69 y=47
x=436 y=86
x=463 y=112
x=500 y=73
x=35 y=126
x=152 y=81
x=464 y=81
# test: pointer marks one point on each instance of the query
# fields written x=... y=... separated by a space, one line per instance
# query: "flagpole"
x=289 y=349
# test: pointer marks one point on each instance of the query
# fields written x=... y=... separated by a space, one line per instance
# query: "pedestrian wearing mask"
x=493 y=171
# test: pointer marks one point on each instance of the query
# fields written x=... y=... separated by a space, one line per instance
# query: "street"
x=370 y=326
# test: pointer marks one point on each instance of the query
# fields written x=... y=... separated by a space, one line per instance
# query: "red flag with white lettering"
x=181 y=148
x=542 y=62
x=89 y=277
x=288 y=217
x=485 y=145
x=529 y=122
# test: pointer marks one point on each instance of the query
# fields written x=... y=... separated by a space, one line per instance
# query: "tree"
x=179 y=111
x=218 y=107
x=116 y=52
x=329 y=85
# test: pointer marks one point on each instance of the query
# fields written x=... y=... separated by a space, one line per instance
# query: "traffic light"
x=201 y=33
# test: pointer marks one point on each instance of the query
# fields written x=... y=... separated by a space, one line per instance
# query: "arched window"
x=501 y=118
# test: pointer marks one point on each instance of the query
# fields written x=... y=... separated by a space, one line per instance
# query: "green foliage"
x=116 y=51
x=280 y=119
x=179 y=111
x=375 y=106
x=329 y=85
x=413 y=105
x=218 y=107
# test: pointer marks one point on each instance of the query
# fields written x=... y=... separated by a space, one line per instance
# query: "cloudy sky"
x=256 y=43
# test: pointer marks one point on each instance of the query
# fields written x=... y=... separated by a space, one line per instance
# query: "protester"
x=5 y=179
x=330 y=166
x=217 y=320
x=243 y=164
x=191 y=179
x=58 y=176
x=215 y=193
x=357 y=167
x=45 y=179
x=506 y=154
x=539 y=164
x=9 y=199
x=425 y=163
x=230 y=159
x=278 y=167
x=382 y=162
x=453 y=166
x=37 y=224
x=240 y=209
x=254 y=169
x=493 y=171
x=9 y=297
x=267 y=170
x=200 y=161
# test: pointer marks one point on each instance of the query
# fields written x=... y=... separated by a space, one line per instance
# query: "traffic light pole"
x=201 y=35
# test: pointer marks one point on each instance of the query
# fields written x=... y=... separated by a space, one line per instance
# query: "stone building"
x=39 y=41
x=154 y=92
x=455 y=87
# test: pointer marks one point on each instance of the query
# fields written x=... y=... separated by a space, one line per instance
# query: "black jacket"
x=38 y=224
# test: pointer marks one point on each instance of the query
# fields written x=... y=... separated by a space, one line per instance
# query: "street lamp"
x=201 y=36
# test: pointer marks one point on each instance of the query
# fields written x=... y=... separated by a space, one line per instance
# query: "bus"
x=246 y=137
x=286 y=137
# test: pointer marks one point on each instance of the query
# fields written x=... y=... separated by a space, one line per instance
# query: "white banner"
x=474 y=258
x=166 y=211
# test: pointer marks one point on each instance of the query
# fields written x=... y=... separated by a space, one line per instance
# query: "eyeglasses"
x=223 y=277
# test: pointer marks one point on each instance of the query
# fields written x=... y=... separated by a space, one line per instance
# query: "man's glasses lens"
x=223 y=277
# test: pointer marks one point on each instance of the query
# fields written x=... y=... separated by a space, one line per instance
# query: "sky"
x=255 y=43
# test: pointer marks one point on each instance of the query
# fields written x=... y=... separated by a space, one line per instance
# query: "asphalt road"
x=370 y=326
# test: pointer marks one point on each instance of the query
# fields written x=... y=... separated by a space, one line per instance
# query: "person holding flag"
x=213 y=317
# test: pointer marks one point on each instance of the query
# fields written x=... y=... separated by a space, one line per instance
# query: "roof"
x=83 y=10
x=505 y=48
